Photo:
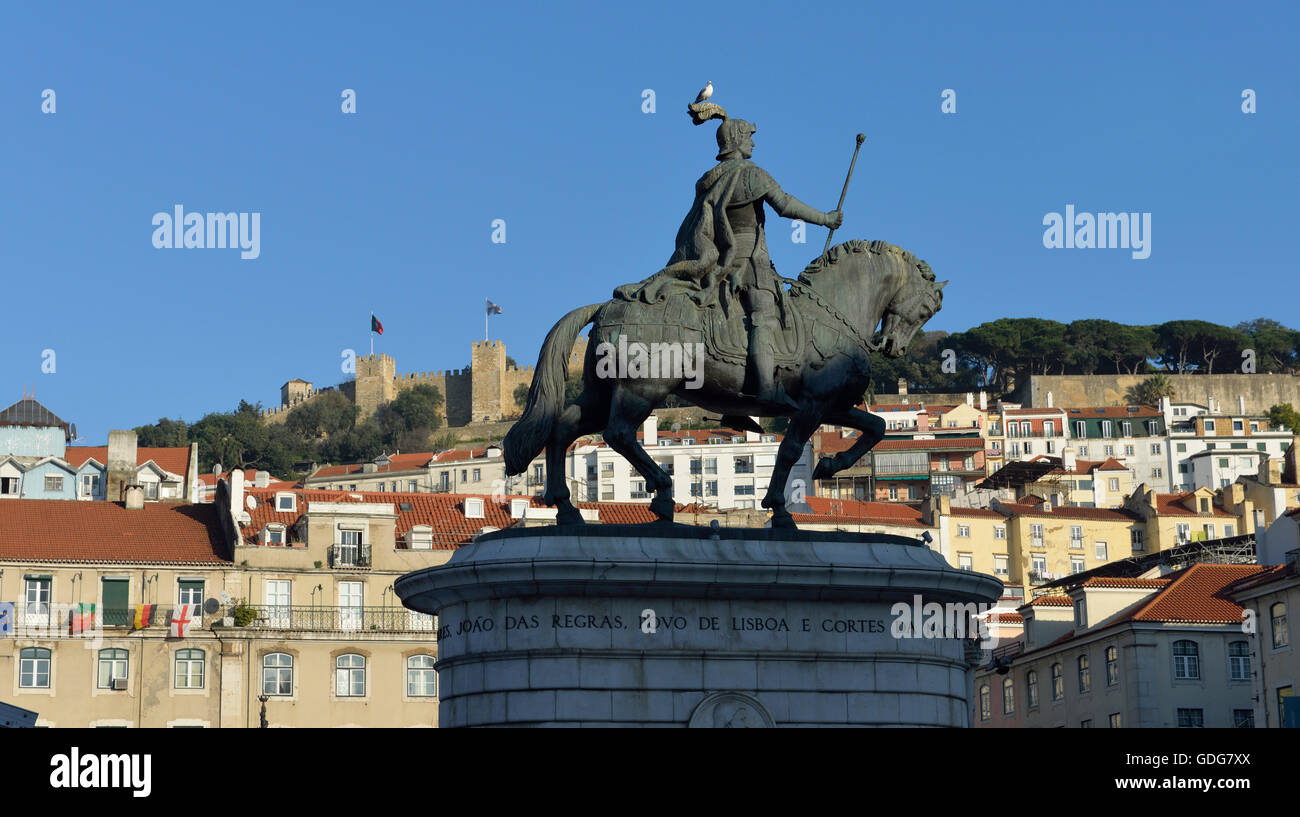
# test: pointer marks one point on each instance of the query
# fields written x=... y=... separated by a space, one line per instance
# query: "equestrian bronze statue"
x=758 y=344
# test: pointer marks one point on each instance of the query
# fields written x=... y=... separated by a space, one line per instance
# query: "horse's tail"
x=528 y=437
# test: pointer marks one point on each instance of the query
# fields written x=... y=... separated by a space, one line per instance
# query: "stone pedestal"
x=666 y=625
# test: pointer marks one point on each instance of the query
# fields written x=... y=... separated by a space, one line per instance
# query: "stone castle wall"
x=1261 y=391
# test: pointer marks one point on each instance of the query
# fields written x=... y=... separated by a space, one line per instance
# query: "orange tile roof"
x=1071 y=512
x=1020 y=412
x=1051 y=601
x=987 y=513
x=1125 y=582
x=1114 y=412
x=174 y=460
x=1171 y=505
x=829 y=511
x=1196 y=595
x=972 y=443
x=63 y=530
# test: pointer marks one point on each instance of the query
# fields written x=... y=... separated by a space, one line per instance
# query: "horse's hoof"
x=825 y=468
x=783 y=521
x=569 y=516
x=663 y=507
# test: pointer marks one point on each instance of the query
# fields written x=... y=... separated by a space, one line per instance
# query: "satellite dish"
x=72 y=430
x=677 y=427
x=251 y=502
x=225 y=597
x=216 y=470
x=211 y=606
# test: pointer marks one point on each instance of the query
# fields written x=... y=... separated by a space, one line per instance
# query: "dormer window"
x=273 y=535
x=286 y=503
x=474 y=508
x=518 y=507
x=420 y=537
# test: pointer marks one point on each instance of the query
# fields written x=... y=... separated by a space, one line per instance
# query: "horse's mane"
x=839 y=252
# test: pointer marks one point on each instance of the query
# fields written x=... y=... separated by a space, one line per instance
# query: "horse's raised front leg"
x=629 y=406
x=802 y=425
x=582 y=417
x=873 y=431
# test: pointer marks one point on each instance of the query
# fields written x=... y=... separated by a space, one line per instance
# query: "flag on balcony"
x=83 y=617
x=183 y=618
x=6 y=619
x=144 y=616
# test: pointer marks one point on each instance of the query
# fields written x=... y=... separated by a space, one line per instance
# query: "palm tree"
x=1149 y=391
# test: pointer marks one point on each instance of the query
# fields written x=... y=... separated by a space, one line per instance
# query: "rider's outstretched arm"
x=787 y=206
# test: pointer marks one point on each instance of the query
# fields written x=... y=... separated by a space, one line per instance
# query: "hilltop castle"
x=483 y=392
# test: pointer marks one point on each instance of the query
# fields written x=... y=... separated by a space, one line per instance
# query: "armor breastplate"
x=746 y=221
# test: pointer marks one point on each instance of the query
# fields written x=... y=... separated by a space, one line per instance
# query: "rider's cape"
x=705 y=242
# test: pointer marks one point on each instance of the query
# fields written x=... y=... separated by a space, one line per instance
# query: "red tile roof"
x=1171 y=505
x=1018 y=508
x=1125 y=582
x=1051 y=601
x=1196 y=595
x=1020 y=412
x=829 y=511
x=1114 y=412
x=174 y=460
x=64 y=530
x=972 y=443
x=986 y=513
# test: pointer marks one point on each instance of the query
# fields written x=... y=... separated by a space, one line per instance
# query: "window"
x=114 y=594
x=34 y=668
x=1209 y=425
x=893 y=492
x=607 y=469
x=1237 y=426
x=1107 y=429
x=1182 y=448
x=53 y=484
x=1031 y=689
x=38 y=596
x=89 y=484
x=1113 y=483
x=1228 y=530
x=1114 y=720
x=1191 y=718
x=1085 y=675
x=274 y=535
x=1077 y=565
x=1049 y=428
x=1112 y=666
x=350 y=676
x=999 y=531
x=1239 y=661
x=1137 y=539
x=963 y=530
x=284 y=502
x=1281 y=637
x=190 y=591
x=150 y=490
x=1243 y=718
x=1209 y=531
x=276 y=598
x=189 y=669
x=1108 y=450
x=1283 y=693
x=1000 y=565
x=1036 y=534
x=1187 y=660
x=413 y=485
x=1058 y=682
x=986 y=703
x=277 y=674
x=8 y=485
x=1101 y=551
x=1029 y=447
x=348 y=550
x=1184 y=533
x=350 y=601
x=697 y=465
x=744 y=465
x=421 y=680
x=964 y=561
x=1083 y=451
x=112 y=667
x=1155 y=448
x=1008 y=697
x=1085 y=724
x=1080 y=429
x=744 y=489
x=1038 y=564
x=1157 y=473
x=1076 y=536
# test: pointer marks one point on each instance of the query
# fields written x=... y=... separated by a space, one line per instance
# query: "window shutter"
x=365 y=555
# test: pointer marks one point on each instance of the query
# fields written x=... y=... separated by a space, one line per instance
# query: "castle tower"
x=488 y=368
x=374 y=387
x=294 y=391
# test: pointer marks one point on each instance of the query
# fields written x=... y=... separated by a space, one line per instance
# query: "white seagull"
x=706 y=93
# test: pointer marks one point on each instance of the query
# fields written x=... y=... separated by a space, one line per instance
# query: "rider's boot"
x=763 y=357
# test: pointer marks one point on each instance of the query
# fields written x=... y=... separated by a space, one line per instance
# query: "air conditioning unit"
x=119 y=684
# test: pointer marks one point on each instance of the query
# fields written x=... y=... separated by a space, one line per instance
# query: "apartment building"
x=453 y=471
x=1236 y=441
x=1134 y=435
x=1271 y=597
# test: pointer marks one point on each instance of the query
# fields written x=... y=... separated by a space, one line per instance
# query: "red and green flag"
x=83 y=618
x=375 y=325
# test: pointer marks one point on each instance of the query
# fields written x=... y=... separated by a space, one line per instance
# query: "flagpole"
x=372 y=334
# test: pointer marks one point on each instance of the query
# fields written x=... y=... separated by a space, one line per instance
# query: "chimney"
x=261 y=479
x=1164 y=405
x=1241 y=404
x=970 y=399
x=134 y=497
x=753 y=436
x=121 y=464
x=237 y=493
x=984 y=401
x=650 y=431
x=192 y=475
x=902 y=386
x=1049 y=400
x=1067 y=458
x=1211 y=402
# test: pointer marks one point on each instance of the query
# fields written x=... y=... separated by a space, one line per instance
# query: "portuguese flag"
x=375 y=325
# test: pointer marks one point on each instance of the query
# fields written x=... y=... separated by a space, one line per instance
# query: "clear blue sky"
x=532 y=113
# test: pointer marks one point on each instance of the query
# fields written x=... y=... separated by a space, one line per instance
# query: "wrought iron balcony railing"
x=341 y=619
x=349 y=555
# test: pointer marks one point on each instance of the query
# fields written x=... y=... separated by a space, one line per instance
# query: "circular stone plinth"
x=613 y=625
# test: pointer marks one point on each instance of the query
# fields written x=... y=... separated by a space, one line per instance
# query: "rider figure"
x=751 y=272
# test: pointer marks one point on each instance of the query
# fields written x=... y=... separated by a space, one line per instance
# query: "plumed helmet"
x=730 y=134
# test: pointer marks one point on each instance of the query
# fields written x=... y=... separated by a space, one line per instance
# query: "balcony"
x=349 y=556
x=314 y=619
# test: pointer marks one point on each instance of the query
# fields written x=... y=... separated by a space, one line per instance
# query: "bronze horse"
x=842 y=297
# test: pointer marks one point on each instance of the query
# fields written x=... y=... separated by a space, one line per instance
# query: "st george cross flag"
x=144 y=616
x=83 y=617
x=6 y=619
x=184 y=617
x=492 y=309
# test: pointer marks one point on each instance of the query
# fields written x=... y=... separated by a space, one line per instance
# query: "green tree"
x=163 y=434
x=1276 y=346
x=521 y=395
x=413 y=408
x=1285 y=415
x=1149 y=391
x=328 y=413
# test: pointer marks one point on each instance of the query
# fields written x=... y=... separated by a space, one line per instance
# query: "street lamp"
x=263 y=723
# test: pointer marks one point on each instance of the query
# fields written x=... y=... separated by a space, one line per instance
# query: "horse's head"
x=915 y=303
